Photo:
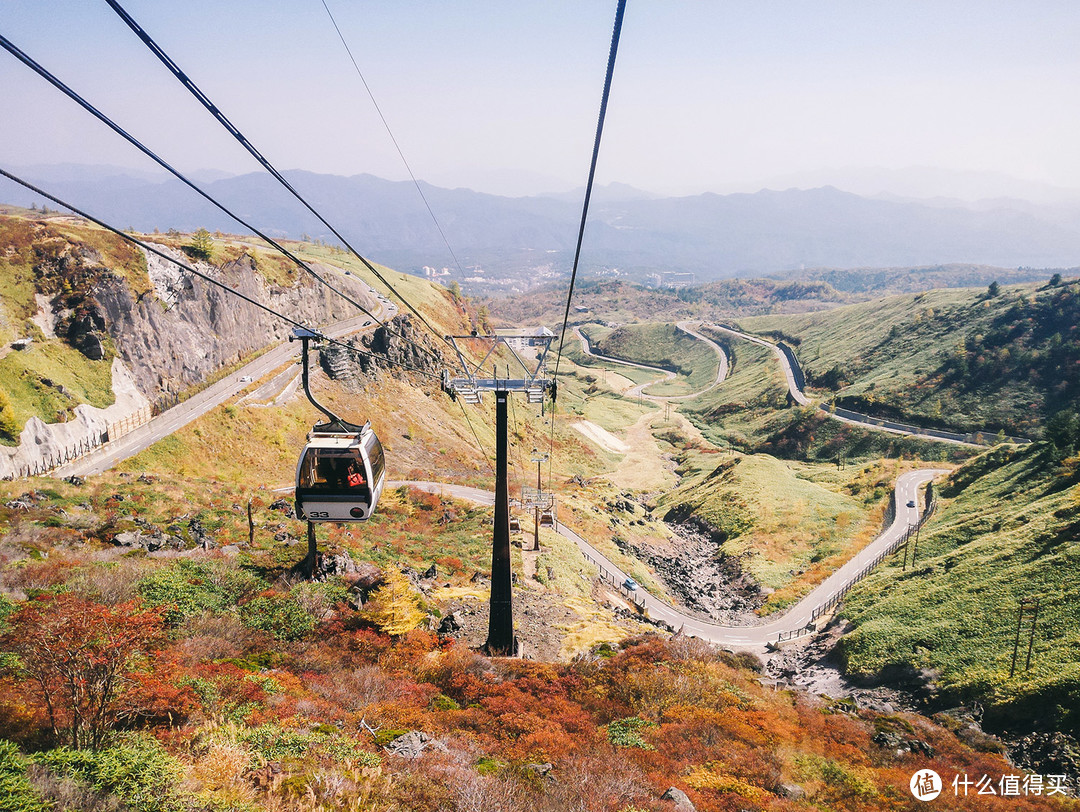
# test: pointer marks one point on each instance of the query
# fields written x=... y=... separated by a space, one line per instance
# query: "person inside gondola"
x=355 y=478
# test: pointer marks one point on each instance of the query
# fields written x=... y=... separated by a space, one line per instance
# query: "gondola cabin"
x=340 y=474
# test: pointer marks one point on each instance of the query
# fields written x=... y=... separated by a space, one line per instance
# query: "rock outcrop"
x=189 y=328
x=167 y=339
x=41 y=442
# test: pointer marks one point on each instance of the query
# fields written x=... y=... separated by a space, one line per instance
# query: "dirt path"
x=602 y=437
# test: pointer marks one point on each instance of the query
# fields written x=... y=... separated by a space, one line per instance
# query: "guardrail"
x=83 y=446
x=974 y=437
x=838 y=596
x=619 y=585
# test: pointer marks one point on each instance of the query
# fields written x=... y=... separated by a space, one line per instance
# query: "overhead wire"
x=479 y=445
x=68 y=91
x=517 y=446
x=203 y=99
x=190 y=269
x=620 y=9
x=389 y=132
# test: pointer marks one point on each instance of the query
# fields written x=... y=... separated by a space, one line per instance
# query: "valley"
x=682 y=455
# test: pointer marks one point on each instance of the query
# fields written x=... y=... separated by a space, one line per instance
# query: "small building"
x=536 y=337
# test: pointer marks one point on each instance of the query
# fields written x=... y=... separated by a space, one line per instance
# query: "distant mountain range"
x=528 y=239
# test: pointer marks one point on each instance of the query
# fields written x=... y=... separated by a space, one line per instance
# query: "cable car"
x=340 y=474
x=547 y=518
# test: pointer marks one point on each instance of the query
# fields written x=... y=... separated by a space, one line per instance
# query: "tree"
x=482 y=316
x=1063 y=433
x=202 y=245
x=994 y=289
x=455 y=292
x=395 y=606
x=1055 y=280
x=9 y=424
x=82 y=658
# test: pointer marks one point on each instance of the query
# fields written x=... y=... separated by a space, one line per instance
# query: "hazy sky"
x=502 y=96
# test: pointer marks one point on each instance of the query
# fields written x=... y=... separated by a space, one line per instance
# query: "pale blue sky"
x=502 y=96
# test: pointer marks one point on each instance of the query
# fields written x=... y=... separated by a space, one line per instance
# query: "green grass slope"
x=789 y=525
x=962 y=358
x=750 y=412
x=1008 y=529
x=665 y=346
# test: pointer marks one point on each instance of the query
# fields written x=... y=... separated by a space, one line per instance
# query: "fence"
x=838 y=596
x=84 y=446
x=619 y=585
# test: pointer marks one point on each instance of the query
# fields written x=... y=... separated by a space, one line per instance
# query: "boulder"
x=679 y=798
x=449 y=625
x=413 y=744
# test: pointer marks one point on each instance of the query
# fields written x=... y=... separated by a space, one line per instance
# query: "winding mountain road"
x=639 y=389
x=754 y=638
x=972 y=440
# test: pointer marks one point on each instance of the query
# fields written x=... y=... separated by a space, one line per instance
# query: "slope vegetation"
x=1004 y=358
x=1008 y=530
x=239 y=688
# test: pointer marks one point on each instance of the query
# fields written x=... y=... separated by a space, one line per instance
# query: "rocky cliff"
x=168 y=333
x=186 y=329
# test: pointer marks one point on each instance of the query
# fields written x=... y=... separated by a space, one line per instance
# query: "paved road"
x=130 y=444
x=753 y=638
x=639 y=389
x=848 y=416
x=796 y=393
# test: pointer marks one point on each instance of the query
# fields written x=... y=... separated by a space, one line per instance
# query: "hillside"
x=238 y=684
x=248 y=690
x=963 y=358
x=1007 y=530
x=660 y=345
x=507 y=243
x=85 y=296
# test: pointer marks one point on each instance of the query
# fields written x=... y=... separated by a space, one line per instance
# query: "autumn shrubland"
x=204 y=715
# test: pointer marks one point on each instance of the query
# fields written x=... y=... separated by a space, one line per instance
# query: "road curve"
x=796 y=393
x=846 y=415
x=639 y=389
x=754 y=638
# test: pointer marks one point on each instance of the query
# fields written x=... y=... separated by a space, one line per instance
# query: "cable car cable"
x=239 y=136
x=585 y=207
x=56 y=82
x=378 y=110
x=592 y=172
x=479 y=445
x=184 y=266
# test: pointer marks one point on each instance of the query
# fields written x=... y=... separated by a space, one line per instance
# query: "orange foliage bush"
x=82 y=659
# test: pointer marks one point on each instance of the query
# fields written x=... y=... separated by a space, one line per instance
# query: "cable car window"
x=332 y=469
x=375 y=457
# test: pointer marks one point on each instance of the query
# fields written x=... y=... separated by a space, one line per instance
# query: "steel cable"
x=258 y=156
x=56 y=82
x=207 y=278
